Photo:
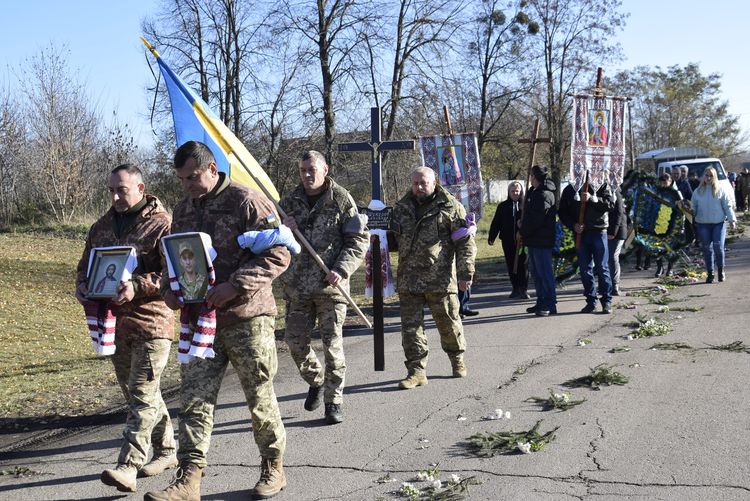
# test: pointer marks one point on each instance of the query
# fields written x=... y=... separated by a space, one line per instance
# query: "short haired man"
x=327 y=216
x=432 y=267
x=144 y=327
x=245 y=315
x=593 y=251
x=538 y=234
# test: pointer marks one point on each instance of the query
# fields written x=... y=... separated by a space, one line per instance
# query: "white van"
x=696 y=166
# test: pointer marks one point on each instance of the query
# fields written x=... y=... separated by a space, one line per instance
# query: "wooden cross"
x=532 y=142
x=376 y=146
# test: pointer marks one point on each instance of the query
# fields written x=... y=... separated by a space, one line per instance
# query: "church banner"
x=598 y=141
x=455 y=160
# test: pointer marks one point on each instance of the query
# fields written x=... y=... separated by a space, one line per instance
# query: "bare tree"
x=12 y=140
x=575 y=37
x=64 y=134
x=328 y=34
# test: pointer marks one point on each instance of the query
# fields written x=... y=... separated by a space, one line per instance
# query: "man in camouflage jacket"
x=144 y=328
x=429 y=263
x=325 y=213
x=245 y=317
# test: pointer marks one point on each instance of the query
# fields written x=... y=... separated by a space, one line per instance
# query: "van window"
x=698 y=168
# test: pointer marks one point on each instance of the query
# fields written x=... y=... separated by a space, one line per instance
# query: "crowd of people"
x=600 y=221
x=234 y=324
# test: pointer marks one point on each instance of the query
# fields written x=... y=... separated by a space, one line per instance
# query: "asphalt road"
x=678 y=430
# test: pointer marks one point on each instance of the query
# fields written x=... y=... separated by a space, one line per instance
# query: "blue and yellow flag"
x=194 y=121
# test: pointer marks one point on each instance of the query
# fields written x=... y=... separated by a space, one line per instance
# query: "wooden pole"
x=532 y=158
x=598 y=91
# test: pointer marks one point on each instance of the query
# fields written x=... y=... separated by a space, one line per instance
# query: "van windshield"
x=697 y=169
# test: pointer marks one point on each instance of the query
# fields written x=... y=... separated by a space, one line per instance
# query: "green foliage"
x=561 y=401
x=507 y=442
x=735 y=346
x=599 y=375
x=679 y=106
x=671 y=346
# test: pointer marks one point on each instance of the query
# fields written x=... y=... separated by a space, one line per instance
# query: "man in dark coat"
x=505 y=224
x=593 y=251
x=538 y=234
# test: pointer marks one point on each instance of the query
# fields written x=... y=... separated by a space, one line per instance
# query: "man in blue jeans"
x=537 y=229
x=592 y=251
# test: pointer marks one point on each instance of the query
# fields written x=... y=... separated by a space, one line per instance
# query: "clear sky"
x=102 y=37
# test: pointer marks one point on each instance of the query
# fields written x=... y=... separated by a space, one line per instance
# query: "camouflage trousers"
x=138 y=367
x=445 y=312
x=251 y=348
x=300 y=321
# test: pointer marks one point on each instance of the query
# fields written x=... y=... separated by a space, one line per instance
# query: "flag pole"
x=300 y=237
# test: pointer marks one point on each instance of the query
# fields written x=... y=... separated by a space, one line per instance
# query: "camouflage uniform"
x=144 y=330
x=428 y=260
x=245 y=325
x=335 y=230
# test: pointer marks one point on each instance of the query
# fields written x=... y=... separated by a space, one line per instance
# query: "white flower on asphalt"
x=496 y=414
x=455 y=479
x=461 y=417
x=423 y=476
x=437 y=484
x=409 y=489
x=630 y=337
x=524 y=447
x=566 y=397
x=507 y=414
x=557 y=396
x=664 y=309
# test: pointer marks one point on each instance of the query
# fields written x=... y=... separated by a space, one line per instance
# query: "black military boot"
x=722 y=276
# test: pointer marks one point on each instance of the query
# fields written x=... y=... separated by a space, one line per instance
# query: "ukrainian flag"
x=194 y=121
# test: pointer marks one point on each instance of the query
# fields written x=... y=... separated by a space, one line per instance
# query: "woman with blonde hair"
x=712 y=210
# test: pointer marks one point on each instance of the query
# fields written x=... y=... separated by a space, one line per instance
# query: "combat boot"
x=459 y=368
x=158 y=464
x=122 y=477
x=412 y=381
x=272 y=478
x=185 y=486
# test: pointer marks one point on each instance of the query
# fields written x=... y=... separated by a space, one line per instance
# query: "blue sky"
x=102 y=37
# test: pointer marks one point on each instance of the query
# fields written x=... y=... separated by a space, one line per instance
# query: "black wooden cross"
x=376 y=146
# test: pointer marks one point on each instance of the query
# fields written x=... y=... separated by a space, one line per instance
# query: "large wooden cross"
x=376 y=147
x=532 y=142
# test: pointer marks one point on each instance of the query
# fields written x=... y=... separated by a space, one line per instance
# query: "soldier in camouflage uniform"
x=327 y=216
x=144 y=328
x=428 y=260
x=246 y=312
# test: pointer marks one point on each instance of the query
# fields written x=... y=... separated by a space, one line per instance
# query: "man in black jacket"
x=593 y=250
x=505 y=224
x=538 y=234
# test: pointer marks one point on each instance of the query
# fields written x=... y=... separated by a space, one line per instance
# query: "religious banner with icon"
x=598 y=141
x=455 y=160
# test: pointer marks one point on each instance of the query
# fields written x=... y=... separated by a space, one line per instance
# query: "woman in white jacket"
x=712 y=210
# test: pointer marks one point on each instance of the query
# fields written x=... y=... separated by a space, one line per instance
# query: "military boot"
x=459 y=368
x=158 y=464
x=185 y=486
x=272 y=478
x=412 y=381
x=122 y=477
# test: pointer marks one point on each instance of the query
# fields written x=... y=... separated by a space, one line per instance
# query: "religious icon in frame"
x=187 y=257
x=450 y=163
x=108 y=267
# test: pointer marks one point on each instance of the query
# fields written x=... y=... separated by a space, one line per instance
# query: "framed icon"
x=108 y=266
x=187 y=258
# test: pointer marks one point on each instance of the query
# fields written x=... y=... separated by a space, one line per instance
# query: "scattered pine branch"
x=508 y=442
x=601 y=374
x=649 y=327
x=562 y=401
x=671 y=346
x=620 y=349
x=736 y=347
